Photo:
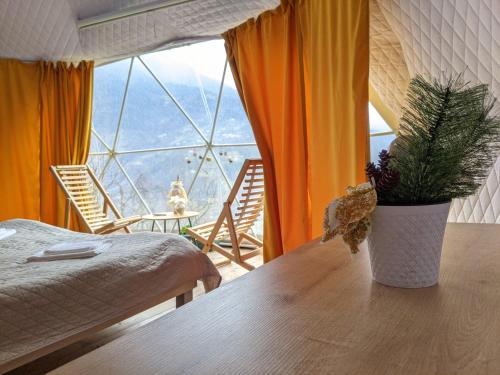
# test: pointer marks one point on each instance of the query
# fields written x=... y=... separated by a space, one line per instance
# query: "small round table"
x=165 y=216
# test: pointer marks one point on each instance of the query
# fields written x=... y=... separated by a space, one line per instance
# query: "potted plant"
x=446 y=144
x=184 y=233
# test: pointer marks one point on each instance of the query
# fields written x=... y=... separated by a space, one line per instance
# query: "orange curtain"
x=19 y=140
x=66 y=111
x=302 y=74
x=45 y=119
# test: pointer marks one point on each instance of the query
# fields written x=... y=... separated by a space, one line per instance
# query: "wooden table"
x=318 y=311
x=165 y=216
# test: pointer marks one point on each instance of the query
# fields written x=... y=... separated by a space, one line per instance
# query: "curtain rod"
x=128 y=12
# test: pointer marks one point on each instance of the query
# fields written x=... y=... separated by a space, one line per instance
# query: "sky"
x=377 y=123
x=178 y=64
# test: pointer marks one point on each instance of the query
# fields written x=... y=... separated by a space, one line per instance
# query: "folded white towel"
x=4 y=233
x=73 y=247
x=43 y=256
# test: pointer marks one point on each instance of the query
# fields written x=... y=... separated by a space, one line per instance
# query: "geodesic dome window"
x=167 y=114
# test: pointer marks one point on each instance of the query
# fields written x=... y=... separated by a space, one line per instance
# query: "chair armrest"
x=118 y=224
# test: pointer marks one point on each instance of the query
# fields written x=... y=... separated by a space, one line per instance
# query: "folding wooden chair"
x=77 y=183
x=236 y=226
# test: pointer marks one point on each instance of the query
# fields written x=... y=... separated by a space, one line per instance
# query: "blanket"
x=44 y=302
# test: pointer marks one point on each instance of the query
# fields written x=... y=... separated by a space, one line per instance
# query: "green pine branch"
x=447 y=141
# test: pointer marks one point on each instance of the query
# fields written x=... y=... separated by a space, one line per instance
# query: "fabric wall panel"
x=450 y=36
x=389 y=76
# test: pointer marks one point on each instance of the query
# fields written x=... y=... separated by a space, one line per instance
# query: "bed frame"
x=183 y=294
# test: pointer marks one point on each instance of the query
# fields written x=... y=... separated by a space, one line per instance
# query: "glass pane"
x=109 y=88
x=192 y=74
x=379 y=143
x=232 y=124
x=208 y=192
x=152 y=173
x=232 y=158
x=122 y=193
x=117 y=186
x=377 y=123
x=98 y=163
x=96 y=145
x=150 y=118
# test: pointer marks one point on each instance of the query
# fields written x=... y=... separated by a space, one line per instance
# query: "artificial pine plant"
x=446 y=144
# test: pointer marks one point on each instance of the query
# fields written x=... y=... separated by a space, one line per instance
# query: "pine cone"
x=372 y=171
x=384 y=158
x=387 y=181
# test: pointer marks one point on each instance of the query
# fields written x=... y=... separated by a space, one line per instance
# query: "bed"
x=47 y=305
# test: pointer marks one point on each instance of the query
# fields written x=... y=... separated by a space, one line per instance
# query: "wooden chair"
x=77 y=183
x=235 y=226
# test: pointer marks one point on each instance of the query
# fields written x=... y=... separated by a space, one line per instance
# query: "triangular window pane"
x=123 y=195
x=379 y=143
x=96 y=145
x=98 y=163
x=232 y=124
x=150 y=118
x=152 y=173
x=209 y=191
x=377 y=123
x=109 y=88
x=192 y=74
x=232 y=158
x=121 y=192
x=118 y=187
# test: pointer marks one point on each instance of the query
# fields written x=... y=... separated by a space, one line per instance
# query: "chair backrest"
x=80 y=186
x=249 y=188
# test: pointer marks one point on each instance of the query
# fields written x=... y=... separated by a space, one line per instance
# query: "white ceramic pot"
x=405 y=244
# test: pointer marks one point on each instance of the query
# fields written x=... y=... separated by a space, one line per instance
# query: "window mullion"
x=235 y=145
x=119 y=125
x=100 y=139
x=101 y=175
x=226 y=178
x=159 y=149
x=217 y=106
x=381 y=134
x=197 y=172
x=174 y=100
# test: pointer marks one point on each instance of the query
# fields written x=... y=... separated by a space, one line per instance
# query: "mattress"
x=45 y=302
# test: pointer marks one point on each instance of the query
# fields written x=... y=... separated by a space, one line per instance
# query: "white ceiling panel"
x=47 y=29
x=38 y=30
